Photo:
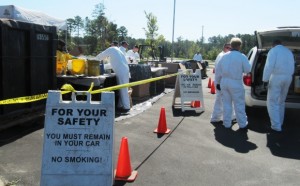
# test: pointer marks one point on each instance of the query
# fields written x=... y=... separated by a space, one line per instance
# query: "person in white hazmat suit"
x=198 y=58
x=217 y=114
x=133 y=55
x=120 y=67
x=123 y=47
x=277 y=75
x=229 y=80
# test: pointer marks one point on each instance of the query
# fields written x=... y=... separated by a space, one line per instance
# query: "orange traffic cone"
x=213 y=89
x=162 y=124
x=195 y=104
x=123 y=171
x=209 y=83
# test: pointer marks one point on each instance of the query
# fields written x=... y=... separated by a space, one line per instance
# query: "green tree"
x=112 y=32
x=70 y=27
x=99 y=32
x=91 y=43
x=122 y=33
x=78 y=24
x=98 y=11
x=151 y=33
x=98 y=26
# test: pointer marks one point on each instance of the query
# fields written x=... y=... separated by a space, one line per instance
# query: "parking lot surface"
x=194 y=153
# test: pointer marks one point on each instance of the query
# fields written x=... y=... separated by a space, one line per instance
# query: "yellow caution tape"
x=27 y=99
x=133 y=83
x=24 y=99
x=91 y=87
x=68 y=88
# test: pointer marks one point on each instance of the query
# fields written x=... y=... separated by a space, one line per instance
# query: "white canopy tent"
x=30 y=16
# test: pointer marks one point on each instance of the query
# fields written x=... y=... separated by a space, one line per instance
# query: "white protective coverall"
x=120 y=66
x=123 y=50
x=217 y=113
x=132 y=56
x=198 y=57
x=229 y=75
x=278 y=71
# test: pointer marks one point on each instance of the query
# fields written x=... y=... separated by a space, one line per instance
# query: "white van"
x=255 y=94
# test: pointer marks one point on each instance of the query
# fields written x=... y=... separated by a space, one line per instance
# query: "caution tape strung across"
x=68 y=88
x=133 y=83
x=26 y=99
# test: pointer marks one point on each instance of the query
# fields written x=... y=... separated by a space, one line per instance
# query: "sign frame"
x=188 y=89
x=78 y=140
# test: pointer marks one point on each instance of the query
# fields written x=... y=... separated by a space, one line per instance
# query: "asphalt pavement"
x=194 y=153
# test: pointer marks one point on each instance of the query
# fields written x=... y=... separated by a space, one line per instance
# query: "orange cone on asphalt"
x=162 y=123
x=209 y=83
x=123 y=171
x=213 y=89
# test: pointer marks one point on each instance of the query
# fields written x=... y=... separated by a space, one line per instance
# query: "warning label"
x=188 y=89
x=78 y=138
x=85 y=116
x=191 y=85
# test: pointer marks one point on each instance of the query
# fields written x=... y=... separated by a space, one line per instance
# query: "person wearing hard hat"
x=229 y=80
x=120 y=67
x=277 y=75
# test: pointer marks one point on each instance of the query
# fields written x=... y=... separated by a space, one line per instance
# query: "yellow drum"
x=78 y=66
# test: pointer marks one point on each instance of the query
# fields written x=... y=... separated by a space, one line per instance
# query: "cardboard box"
x=172 y=67
x=170 y=82
x=140 y=91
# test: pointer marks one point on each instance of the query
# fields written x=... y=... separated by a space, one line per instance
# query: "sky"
x=193 y=18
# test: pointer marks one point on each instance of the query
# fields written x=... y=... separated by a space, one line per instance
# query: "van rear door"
x=289 y=36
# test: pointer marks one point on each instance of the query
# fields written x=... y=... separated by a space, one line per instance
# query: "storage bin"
x=139 y=72
x=27 y=64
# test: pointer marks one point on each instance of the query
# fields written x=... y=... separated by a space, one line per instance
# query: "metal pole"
x=66 y=37
x=173 y=31
x=202 y=35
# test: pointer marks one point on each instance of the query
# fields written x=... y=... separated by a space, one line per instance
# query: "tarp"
x=30 y=16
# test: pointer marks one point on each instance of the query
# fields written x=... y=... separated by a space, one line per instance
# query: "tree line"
x=95 y=34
